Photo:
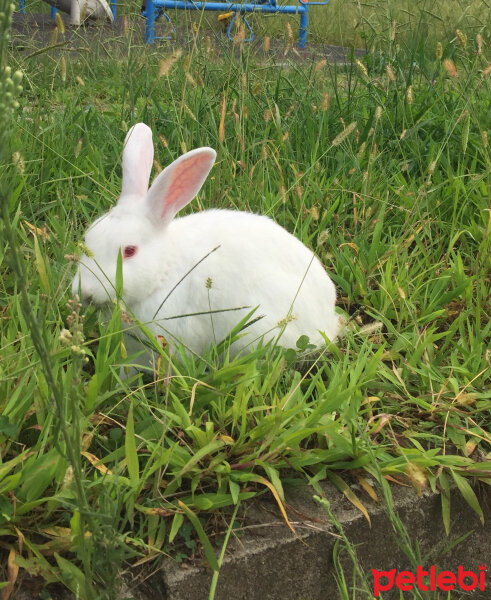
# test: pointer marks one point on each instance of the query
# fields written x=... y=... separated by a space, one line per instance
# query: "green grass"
x=397 y=208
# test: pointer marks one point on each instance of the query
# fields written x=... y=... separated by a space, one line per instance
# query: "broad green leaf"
x=73 y=577
x=207 y=547
x=468 y=493
x=177 y=521
x=445 y=498
x=41 y=267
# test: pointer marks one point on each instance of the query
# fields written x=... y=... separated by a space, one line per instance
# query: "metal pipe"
x=151 y=6
x=304 y=23
x=149 y=14
x=225 y=6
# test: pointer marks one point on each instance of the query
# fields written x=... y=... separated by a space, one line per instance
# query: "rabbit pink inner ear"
x=137 y=161
x=179 y=183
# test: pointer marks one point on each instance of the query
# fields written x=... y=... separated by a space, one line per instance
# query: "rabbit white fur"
x=250 y=261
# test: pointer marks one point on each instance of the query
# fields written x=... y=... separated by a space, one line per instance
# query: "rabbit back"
x=218 y=265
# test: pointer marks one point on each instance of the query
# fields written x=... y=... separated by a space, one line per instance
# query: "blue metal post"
x=113 y=8
x=22 y=7
x=304 y=22
x=53 y=12
x=150 y=22
x=224 y=6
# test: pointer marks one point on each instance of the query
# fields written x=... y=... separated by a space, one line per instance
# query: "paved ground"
x=32 y=32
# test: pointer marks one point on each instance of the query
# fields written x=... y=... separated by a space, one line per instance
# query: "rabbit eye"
x=129 y=251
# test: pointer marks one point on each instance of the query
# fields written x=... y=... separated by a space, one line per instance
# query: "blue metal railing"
x=154 y=8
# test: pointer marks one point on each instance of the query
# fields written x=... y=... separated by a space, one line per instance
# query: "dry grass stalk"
x=221 y=126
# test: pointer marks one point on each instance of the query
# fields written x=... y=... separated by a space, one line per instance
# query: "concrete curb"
x=267 y=562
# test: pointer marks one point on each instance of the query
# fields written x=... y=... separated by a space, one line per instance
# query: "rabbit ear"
x=179 y=183
x=137 y=161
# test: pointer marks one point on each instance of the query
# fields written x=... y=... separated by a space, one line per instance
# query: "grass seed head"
x=461 y=38
x=390 y=73
x=393 y=30
x=54 y=36
x=325 y=102
x=479 y=43
x=409 y=94
x=267 y=44
x=190 y=112
x=344 y=134
x=63 y=67
x=19 y=162
x=191 y=80
x=439 y=51
x=450 y=68
x=221 y=126
x=289 y=37
x=166 y=64
x=257 y=88
x=59 y=23
x=239 y=36
x=361 y=67
x=186 y=62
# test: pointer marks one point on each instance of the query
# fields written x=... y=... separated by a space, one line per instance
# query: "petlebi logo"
x=445 y=581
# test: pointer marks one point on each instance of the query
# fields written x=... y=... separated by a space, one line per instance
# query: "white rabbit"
x=199 y=267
